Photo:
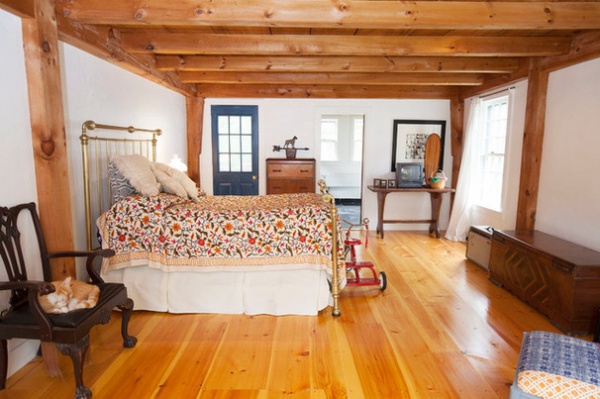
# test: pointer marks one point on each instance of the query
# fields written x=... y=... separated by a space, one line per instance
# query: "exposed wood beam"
x=21 y=8
x=336 y=64
x=352 y=78
x=494 y=82
x=533 y=139
x=584 y=46
x=42 y=64
x=337 y=14
x=104 y=43
x=325 y=91
x=164 y=42
x=194 y=107
x=457 y=115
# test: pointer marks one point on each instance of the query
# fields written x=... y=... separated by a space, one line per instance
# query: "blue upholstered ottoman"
x=556 y=366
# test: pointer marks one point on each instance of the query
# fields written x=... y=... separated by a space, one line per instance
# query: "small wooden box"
x=479 y=244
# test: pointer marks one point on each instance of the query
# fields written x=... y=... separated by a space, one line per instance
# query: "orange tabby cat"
x=70 y=295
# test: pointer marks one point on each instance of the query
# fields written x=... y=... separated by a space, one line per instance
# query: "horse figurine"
x=290 y=143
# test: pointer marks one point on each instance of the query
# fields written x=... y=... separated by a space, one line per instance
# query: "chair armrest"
x=89 y=264
x=42 y=287
x=33 y=288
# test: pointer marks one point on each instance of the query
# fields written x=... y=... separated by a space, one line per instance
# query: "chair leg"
x=3 y=364
x=127 y=307
x=50 y=356
x=77 y=353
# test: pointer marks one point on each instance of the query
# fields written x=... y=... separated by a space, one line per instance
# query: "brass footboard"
x=335 y=279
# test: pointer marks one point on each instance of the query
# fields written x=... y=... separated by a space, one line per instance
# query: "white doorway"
x=341 y=161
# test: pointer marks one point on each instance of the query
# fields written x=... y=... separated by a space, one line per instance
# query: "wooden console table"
x=436 y=203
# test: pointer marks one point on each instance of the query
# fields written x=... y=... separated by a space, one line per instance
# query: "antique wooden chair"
x=25 y=317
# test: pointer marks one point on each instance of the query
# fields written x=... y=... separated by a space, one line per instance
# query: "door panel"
x=235 y=149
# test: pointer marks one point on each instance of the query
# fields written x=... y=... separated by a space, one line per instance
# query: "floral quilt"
x=231 y=232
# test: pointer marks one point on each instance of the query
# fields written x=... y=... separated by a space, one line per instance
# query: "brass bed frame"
x=96 y=154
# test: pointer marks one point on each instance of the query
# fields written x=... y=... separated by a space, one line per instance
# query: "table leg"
x=436 y=203
x=380 y=206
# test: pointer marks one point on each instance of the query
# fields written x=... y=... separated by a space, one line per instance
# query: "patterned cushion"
x=558 y=366
x=549 y=386
x=119 y=185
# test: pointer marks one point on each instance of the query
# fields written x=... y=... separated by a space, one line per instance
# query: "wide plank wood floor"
x=440 y=330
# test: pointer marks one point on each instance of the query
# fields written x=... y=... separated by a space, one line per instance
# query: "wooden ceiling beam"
x=352 y=78
x=164 y=42
x=20 y=8
x=104 y=43
x=336 y=64
x=538 y=15
x=209 y=90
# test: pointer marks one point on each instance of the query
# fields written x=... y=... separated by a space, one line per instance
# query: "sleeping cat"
x=69 y=295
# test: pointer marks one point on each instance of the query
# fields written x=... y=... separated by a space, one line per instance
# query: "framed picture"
x=391 y=183
x=383 y=183
x=409 y=140
x=376 y=182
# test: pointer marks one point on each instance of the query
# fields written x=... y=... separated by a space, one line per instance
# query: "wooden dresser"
x=559 y=278
x=290 y=175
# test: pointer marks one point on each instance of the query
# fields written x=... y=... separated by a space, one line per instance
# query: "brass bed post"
x=335 y=280
x=85 y=139
x=86 y=185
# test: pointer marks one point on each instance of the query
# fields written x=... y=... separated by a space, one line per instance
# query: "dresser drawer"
x=285 y=186
x=287 y=170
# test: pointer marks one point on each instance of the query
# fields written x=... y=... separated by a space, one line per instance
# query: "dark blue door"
x=235 y=149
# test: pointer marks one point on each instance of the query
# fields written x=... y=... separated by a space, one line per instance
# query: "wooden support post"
x=40 y=41
x=194 y=113
x=533 y=139
x=457 y=115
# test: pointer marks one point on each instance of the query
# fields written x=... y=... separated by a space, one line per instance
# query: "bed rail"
x=96 y=153
x=335 y=279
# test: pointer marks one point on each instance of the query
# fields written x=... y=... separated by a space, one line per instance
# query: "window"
x=341 y=138
x=329 y=139
x=491 y=153
x=357 y=136
x=235 y=143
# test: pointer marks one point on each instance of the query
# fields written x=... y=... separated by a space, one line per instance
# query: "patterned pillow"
x=119 y=185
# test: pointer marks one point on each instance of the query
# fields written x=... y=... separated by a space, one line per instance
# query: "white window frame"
x=498 y=97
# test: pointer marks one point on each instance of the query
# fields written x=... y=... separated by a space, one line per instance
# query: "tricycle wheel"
x=382 y=281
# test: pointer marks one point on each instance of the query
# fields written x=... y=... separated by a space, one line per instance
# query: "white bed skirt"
x=287 y=292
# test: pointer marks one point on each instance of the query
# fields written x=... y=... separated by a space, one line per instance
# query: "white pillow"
x=191 y=190
x=136 y=169
x=168 y=184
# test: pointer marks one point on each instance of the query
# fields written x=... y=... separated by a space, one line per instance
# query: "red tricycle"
x=355 y=266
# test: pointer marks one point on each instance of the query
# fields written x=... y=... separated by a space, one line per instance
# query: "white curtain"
x=460 y=219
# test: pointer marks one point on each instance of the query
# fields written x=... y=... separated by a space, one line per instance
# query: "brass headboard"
x=96 y=153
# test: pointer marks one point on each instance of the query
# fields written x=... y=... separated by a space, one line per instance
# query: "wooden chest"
x=294 y=175
x=559 y=278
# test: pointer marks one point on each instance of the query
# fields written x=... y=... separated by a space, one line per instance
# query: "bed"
x=273 y=254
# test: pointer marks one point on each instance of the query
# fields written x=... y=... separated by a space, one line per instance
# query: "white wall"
x=96 y=90
x=569 y=186
x=16 y=160
x=280 y=119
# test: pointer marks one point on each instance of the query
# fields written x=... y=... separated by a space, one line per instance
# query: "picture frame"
x=383 y=183
x=410 y=136
x=377 y=183
x=391 y=183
